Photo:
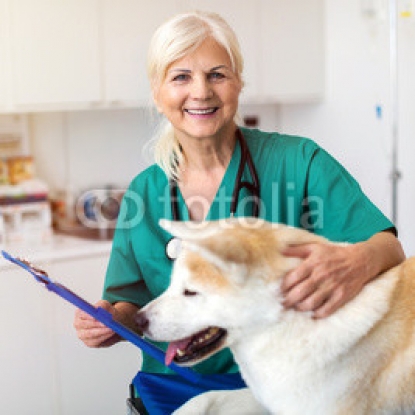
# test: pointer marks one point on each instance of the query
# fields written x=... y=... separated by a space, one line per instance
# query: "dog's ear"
x=191 y=231
x=210 y=256
x=195 y=238
x=288 y=235
x=194 y=231
x=234 y=271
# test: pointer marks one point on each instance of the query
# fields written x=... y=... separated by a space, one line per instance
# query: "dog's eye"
x=189 y=293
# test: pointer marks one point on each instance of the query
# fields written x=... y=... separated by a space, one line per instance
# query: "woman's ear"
x=157 y=104
x=155 y=94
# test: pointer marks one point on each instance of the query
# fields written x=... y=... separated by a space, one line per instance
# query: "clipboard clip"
x=39 y=274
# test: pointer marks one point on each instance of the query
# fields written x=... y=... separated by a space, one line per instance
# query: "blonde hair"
x=173 y=40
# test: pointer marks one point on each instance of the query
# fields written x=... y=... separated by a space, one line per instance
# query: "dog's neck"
x=285 y=345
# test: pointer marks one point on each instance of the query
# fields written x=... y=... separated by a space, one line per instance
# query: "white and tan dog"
x=225 y=292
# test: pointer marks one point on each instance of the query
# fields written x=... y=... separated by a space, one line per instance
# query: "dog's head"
x=224 y=284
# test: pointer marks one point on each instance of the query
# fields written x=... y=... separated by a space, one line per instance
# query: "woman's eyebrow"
x=215 y=68
x=180 y=70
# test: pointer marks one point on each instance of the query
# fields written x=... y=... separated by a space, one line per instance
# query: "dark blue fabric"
x=162 y=394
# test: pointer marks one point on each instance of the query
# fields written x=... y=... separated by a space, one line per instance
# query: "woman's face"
x=199 y=94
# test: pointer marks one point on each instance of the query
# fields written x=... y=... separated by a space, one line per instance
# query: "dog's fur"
x=358 y=361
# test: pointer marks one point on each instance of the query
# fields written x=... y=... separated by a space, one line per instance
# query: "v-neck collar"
x=221 y=204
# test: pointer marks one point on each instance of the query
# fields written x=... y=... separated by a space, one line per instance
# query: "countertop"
x=57 y=247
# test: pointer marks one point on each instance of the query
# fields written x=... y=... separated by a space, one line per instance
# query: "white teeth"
x=202 y=111
x=200 y=340
x=212 y=332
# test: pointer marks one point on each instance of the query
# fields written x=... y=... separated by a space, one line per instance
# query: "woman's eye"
x=216 y=76
x=181 y=78
x=189 y=293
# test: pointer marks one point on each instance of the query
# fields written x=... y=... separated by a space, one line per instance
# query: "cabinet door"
x=128 y=26
x=92 y=381
x=4 y=57
x=243 y=18
x=28 y=381
x=282 y=42
x=291 y=45
x=55 y=49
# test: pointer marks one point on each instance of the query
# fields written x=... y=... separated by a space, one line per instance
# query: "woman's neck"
x=207 y=154
x=206 y=161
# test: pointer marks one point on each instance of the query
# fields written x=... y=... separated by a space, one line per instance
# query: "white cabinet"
x=55 y=54
x=243 y=18
x=91 y=381
x=282 y=42
x=28 y=380
x=77 y=54
x=127 y=27
x=4 y=58
x=46 y=369
x=80 y=54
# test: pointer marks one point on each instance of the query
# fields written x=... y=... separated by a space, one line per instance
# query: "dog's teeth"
x=180 y=353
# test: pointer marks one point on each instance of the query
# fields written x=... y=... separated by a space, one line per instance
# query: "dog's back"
x=393 y=376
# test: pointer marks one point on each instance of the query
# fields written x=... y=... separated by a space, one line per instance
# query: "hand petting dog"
x=332 y=275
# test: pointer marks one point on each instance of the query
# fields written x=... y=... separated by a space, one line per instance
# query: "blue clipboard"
x=103 y=316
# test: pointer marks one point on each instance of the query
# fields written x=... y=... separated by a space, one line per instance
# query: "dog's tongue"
x=173 y=347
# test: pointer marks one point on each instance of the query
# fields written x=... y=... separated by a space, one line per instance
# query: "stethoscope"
x=174 y=244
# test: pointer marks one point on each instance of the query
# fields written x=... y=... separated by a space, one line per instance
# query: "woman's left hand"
x=331 y=275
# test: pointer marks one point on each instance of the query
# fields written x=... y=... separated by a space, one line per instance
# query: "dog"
x=225 y=292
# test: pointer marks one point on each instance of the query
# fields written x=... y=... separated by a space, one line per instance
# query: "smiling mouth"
x=197 y=347
x=206 y=111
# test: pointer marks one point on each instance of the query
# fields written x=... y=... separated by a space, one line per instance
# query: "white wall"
x=347 y=125
x=85 y=149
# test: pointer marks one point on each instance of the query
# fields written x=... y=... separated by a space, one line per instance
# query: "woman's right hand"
x=91 y=331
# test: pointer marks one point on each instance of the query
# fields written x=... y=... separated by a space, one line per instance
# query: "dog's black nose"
x=141 y=321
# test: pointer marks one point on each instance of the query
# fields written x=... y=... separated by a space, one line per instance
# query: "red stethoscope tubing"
x=246 y=160
x=173 y=245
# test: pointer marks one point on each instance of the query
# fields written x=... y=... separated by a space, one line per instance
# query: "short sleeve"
x=336 y=206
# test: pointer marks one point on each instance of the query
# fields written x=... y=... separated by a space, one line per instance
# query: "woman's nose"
x=201 y=88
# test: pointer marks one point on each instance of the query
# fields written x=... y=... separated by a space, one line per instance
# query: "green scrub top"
x=300 y=185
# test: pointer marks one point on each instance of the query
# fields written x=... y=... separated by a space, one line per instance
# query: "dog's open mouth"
x=196 y=347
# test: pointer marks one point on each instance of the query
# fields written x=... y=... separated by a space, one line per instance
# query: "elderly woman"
x=195 y=70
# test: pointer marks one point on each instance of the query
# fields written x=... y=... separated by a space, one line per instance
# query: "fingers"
x=321 y=298
x=308 y=295
x=302 y=271
x=299 y=251
x=89 y=330
x=295 y=277
x=106 y=305
x=96 y=337
x=316 y=285
x=303 y=298
x=332 y=303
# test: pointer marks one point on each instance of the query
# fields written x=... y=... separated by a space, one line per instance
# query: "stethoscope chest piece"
x=173 y=248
